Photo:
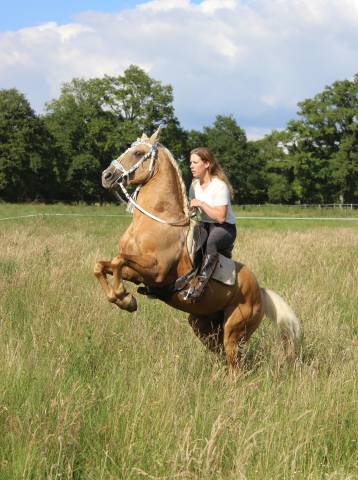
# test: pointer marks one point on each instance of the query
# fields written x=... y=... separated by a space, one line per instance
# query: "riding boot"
x=207 y=269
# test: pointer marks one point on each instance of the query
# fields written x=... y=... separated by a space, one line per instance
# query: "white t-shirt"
x=216 y=194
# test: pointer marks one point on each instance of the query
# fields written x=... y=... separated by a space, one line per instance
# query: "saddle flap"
x=195 y=241
x=225 y=271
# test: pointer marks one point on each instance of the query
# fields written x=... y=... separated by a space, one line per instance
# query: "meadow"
x=88 y=391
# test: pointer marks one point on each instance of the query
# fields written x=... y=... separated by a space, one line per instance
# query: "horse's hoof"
x=132 y=305
x=129 y=303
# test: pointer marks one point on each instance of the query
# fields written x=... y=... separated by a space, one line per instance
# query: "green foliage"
x=27 y=163
x=278 y=169
x=82 y=177
x=139 y=100
x=142 y=104
x=60 y=155
x=323 y=145
x=84 y=133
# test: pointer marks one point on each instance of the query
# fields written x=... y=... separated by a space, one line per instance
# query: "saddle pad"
x=225 y=271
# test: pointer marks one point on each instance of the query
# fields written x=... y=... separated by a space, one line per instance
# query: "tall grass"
x=91 y=392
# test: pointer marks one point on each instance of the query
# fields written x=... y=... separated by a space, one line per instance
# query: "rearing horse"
x=153 y=252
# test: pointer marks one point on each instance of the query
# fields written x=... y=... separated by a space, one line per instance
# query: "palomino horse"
x=153 y=252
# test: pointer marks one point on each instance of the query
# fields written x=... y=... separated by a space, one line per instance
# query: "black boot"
x=207 y=269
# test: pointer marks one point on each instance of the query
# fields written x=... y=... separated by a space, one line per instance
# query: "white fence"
x=341 y=206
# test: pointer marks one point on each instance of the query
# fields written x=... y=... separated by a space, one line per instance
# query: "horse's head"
x=135 y=165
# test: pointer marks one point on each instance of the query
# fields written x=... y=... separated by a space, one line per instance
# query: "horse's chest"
x=135 y=243
x=128 y=244
x=154 y=241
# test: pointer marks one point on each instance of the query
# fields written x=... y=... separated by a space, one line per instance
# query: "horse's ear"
x=155 y=137
x=144 y=138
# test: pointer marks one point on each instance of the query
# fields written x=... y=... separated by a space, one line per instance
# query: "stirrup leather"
x=207 y=269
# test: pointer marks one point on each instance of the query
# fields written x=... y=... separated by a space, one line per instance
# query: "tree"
x=140 y=101
x=85 y=134
x=27 y=168
x=141 y=104
x=278 y=168
x=83 y=178
x=324 y=144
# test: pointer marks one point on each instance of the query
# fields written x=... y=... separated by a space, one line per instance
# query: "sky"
x=252 y=59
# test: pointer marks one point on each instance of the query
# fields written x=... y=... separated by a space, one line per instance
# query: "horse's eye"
x=138 y=153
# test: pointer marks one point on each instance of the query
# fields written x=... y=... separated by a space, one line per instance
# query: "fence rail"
x=345 y=206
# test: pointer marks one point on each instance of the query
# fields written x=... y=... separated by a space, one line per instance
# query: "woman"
x=211 y=193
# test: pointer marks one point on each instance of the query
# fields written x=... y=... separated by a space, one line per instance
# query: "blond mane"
x=180 y=178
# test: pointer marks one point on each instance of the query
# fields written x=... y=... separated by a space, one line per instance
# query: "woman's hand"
x=195 y=203
x=218 y=214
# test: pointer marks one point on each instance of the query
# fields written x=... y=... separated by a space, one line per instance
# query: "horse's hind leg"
x=240 y=322
x=209 y=329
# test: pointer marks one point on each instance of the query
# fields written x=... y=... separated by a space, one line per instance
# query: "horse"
x=153 y=252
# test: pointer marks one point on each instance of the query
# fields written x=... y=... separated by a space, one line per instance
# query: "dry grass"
x=90 y=392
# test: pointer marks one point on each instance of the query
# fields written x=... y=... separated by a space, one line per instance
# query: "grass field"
x=91 y=392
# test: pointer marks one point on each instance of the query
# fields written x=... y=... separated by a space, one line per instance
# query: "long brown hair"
x=215 y=169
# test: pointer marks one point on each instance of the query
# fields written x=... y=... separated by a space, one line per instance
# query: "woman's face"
x=197 y=166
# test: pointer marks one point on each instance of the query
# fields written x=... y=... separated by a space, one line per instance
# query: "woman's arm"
x=218 y=214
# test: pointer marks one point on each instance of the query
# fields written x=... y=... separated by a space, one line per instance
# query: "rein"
x=148 y=214
x=152 y=155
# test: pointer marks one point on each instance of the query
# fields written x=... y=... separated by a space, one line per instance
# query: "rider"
x=211 y=193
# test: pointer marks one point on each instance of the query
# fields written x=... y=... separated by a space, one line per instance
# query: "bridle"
x=124 y=176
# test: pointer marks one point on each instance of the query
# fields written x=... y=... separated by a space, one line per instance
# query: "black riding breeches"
x=221 y=238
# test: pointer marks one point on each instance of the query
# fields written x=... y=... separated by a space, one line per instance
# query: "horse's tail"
x=281 y=314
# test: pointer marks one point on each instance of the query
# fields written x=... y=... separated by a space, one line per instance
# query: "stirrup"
x=193 y=293
x=186 y=294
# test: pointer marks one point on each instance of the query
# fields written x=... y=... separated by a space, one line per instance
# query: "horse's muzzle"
x=109 y=179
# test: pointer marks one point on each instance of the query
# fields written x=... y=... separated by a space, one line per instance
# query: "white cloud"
x=254 y=60
x=164 y=5
x=212 y=6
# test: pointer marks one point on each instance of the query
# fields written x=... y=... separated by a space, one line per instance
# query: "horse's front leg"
x=116 y=294
x=124 y=299
x=101 y=269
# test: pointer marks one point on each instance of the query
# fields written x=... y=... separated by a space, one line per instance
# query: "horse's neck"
x=163 y=194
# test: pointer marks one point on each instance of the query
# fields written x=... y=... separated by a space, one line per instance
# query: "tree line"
x=59 y=155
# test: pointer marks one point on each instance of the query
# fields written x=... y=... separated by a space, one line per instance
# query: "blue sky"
x=16 y=14
x=252 y=59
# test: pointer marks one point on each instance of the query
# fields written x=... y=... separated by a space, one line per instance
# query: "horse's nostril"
x=107 y=176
